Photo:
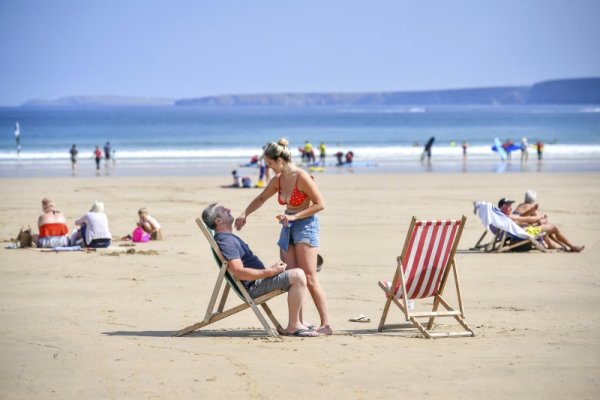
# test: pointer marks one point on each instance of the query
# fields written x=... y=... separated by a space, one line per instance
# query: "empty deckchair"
x=237 y=286
x=506 y=234
x=422 y=272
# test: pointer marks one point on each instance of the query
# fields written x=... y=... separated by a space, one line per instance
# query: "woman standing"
x=299 y=239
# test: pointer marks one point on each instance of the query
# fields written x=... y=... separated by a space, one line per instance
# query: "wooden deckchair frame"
x=499 y=242
x=234 y=283
x=400 y=299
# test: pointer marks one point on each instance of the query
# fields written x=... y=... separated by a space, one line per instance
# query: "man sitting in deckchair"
x=535 y=224
x=257 y=279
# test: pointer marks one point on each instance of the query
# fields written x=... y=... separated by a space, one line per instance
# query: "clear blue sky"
x=185 y=48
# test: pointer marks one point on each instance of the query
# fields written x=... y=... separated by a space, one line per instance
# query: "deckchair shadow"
x=505 y=233
x=422 y=272
x=220 y=313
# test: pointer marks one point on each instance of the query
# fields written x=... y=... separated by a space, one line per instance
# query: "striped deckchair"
x=422 y=272
x=220 y=313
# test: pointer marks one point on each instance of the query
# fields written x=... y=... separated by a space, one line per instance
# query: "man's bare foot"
x=576 y=249
x=324 y=330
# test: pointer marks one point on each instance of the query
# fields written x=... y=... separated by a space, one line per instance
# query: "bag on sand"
x=24 y=238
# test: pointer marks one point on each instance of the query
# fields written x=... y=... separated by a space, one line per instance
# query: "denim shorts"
x=264 y=286
x=300 y=231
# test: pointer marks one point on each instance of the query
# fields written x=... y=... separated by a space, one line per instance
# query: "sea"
x=215 y=140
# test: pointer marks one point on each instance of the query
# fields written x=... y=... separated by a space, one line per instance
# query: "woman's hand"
x=285 y=219
x=240 y=221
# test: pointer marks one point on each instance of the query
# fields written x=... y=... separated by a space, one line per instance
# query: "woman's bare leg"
x=306 y=258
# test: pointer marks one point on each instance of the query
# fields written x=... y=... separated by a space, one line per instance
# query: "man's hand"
x=278 y=267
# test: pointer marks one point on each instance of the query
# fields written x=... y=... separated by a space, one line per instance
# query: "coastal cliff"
x=563 y=91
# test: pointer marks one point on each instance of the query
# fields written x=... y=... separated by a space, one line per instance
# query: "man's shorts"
x=266 y=285
x=300 y=231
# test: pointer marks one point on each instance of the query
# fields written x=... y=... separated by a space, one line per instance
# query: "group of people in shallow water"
x=109 y=154
x=91 y=230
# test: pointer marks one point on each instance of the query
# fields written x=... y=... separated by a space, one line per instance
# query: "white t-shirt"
x=96 y=226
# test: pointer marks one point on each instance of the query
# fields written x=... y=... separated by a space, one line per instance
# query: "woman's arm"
x=80 y=221
x=270 y=190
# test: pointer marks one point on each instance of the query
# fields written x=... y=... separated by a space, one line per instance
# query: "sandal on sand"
x=302 y=333
x=360 y=318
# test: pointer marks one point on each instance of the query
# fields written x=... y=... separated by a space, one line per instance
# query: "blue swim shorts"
x=300 y=231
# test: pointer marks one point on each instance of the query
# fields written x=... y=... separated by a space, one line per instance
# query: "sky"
x=185 y=49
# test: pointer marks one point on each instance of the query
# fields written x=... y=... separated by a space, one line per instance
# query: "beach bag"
x=140 y=236
x=25 y=238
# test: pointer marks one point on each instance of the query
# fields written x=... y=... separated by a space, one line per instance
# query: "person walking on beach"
x=73 y=151
x=256 y=278
x=465 y=145
x=98 y=156
x=427 y=149
x=540 y=149
x=18 y=138
x=307 y=155
x=107 y=152
x=524 y=150
x=299 y=238
x=322 y=153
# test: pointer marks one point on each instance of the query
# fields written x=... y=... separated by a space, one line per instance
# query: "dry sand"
x=95 y=325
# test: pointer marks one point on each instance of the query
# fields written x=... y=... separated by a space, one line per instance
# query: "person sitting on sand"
x=255 y=277
x=534 y=225
x=93 y=231
x=149 y=224
x=52 y=226
x=529 y=207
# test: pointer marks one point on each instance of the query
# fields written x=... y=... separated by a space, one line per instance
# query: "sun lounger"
x=237 y=286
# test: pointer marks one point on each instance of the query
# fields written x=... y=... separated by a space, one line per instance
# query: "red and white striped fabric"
x=427 y=256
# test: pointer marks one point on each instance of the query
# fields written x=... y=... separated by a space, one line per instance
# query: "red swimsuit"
x=297 y=197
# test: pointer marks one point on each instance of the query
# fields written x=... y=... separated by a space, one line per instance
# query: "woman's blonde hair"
x=47 y=205
x=279 y=150
x=142 y=210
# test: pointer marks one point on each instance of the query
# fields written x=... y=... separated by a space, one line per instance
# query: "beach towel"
x=491 y=217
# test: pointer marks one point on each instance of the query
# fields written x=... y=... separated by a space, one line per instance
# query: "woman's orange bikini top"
x=297 y=197
x=53 y=229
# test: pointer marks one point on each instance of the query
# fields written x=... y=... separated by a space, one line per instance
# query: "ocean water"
x=213 y=140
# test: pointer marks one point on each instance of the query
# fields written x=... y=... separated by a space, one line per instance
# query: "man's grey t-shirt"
x=233 y=247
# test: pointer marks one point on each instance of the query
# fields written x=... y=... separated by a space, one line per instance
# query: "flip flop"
x=360 y=318
x=302 y=333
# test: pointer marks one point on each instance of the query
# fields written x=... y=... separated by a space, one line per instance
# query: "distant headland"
x=561 y=91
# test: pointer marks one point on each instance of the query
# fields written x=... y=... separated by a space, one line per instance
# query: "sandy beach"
x=100 y=325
